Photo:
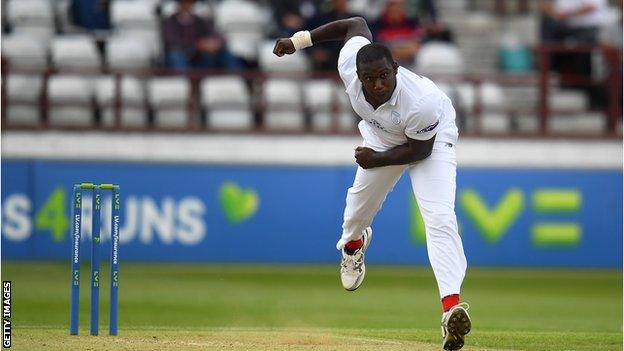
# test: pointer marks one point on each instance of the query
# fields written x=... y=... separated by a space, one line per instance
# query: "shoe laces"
x=352 y=262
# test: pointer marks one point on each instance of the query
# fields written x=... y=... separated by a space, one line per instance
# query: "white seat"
x=495 y=123
x=24 y=51
x=230 y=119
x=319 y=94
x=244 y=24
x=23 y=89
x=284 y=120
x=151 y=37
x=280 y=92
x=492 y=96
x=241 y=16
x=347 y=121
x=589 y=123
x=21 y=115
x=42 y=33
x=75 y=51
x=169 y=97
x=465 y=97
x=283 y=101
x=133 y=14
x=171 y=6
x=568 y=100
x=323 y=121
x=70 y=100
x=133 y=112
x=269 y=62
x=224 y=90
x=439 y=58
x=227 y=100
x=128 y=52
x=29 y=12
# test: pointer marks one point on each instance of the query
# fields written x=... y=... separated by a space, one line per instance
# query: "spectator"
x=90 y=14
x=426 y=13
x=399 y=32
x=573 y=21
x=290 y=16
x=192 y=41
x=576 y=21
x=325 y=55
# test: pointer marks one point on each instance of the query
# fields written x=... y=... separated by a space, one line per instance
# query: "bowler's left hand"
x=365 y=157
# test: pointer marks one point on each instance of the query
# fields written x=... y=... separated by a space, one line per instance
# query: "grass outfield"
x=245 y=307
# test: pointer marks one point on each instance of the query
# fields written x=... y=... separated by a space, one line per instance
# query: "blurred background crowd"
x=511 y=66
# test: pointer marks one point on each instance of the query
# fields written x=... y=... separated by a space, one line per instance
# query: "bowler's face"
x=378 y=78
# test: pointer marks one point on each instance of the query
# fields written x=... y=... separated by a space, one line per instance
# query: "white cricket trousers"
x=433 y=183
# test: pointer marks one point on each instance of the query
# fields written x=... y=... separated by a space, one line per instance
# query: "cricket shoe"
x=455 y=325
x=352 y=268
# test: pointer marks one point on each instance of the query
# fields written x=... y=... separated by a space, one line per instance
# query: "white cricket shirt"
x=417 y=108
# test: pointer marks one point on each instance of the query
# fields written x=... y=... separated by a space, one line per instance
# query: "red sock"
x=449 y=301
x=353 y=245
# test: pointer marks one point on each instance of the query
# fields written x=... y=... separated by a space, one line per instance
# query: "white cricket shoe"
x=455 y=325
x=352 y=268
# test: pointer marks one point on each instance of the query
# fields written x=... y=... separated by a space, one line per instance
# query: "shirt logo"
x=376 y=124
x=396 y=117
x=429 y=128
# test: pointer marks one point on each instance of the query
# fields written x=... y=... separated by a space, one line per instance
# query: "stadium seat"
x=169 y=7
x=24 y=51
x=169 y=97
x=244 y=24
x=133 y=14
x=347 y=120
x=568 y=100
x=495 y=123
x=283 y=105
x=318 y=97
x=492 y=96
x=30 y=12
x=70 y=99
x=588 y=123
x=127 y=52
x=465 y=97
x=297 y=62
x=151 y=37
x=133 y=112
x=31 y=17
x=23 y=93
x=439 y=58
x=227 y=102
x=75 y=51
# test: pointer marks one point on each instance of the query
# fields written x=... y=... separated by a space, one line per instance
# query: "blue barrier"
x=219 y=213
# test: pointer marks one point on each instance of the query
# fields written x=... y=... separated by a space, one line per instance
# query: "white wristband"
x=301 y=40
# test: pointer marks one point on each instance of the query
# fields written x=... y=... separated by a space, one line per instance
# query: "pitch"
x=252 y=307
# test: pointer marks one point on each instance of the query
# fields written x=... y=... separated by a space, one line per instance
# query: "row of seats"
x=122 y=52
x=244 y=23
x=226 y=99
x=230 y=106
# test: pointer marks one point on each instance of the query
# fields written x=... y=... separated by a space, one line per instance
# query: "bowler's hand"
x=283 y=46
x=365 y=157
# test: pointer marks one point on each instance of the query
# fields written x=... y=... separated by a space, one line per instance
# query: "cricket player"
x=407 y=124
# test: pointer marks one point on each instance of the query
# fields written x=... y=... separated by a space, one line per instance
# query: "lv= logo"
x=494 y=222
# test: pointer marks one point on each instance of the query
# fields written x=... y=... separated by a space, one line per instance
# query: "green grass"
x=245 y=307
